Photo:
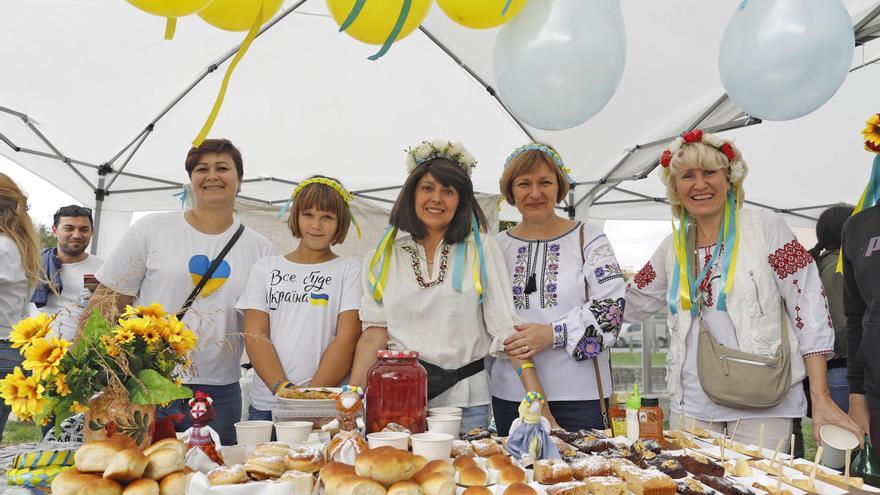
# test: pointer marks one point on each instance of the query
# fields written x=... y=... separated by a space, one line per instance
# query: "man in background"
x=62 y=288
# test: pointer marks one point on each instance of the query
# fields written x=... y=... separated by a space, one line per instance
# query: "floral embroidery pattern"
x=788 y=259
x=609 y=314
x=520 y=301
x=827 y=312
x=417 y=267
x=799 y=322
x=550 y=276
x=560 y=335
x=645 y=276
x=706 y=284
x=609 y=271
x=588 y=347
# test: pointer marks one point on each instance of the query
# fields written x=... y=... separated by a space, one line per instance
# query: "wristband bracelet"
x=525 y=366
x=282 y=382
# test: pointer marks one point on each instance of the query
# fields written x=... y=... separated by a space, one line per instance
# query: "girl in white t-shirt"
x=301 y=321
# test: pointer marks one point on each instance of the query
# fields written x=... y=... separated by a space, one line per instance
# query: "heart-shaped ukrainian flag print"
x=199 y=264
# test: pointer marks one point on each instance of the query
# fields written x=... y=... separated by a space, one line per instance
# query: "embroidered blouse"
x=797 y=278
x=449 y=328
x=582 y=329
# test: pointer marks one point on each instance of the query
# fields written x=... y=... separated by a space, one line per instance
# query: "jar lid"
x=650 y=401
x=397 y=354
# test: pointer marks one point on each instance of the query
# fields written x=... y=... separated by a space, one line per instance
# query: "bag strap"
x=211 y=269
x=595 y=360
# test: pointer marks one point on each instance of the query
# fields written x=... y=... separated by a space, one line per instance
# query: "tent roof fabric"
x=88 y=80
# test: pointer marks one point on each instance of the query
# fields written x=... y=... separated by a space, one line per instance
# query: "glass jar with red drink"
x=397 y=392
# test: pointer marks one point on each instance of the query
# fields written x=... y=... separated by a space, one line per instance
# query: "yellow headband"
x=335 y=185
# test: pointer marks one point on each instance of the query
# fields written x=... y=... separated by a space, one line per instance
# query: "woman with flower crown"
x=442 y=289
x=567 y=283
x=20 y=268
x=741 y=278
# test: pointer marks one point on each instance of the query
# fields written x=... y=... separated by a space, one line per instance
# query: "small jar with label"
x=651 y=421
x=617 y=414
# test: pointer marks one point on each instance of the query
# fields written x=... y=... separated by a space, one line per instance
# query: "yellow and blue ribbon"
x=395 y=31
x=478 y=269
x=870 y=198
x=383 y=255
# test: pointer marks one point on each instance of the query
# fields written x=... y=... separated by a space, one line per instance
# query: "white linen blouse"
x=448 y=328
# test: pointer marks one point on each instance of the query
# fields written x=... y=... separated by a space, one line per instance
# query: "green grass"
x=809 y=442
x=635 y=358
x=21 y=432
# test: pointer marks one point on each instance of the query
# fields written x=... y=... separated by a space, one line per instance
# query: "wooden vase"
x=114 y=414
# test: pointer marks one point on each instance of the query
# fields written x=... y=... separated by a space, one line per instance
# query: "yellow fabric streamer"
x=384 y=250
x=476 y=270
x=258 y=21
x=170 y=27
x=731 y=270
x=680 y=243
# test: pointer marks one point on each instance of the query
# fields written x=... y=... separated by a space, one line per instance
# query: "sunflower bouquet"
x=140 y=357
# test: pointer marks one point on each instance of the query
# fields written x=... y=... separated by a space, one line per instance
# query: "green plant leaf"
x=151 y=388
x=91 y=334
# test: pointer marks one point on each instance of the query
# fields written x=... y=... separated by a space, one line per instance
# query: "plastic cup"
x=444 y=411
x=431 y=445
x=253 y=432
x=293 y=432
x=836 y=441
x=397 y=439
x=444 y=424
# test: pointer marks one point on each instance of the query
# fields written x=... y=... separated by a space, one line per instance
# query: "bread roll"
x=438 y=484
x=173 y=484
x=143 y=486
x=126 y=466
x=93 y=457
x=473 y=476
x=162 y=462
x=510 y=475
x=387 y=465
x=358 y=485
x=335 y=469
x=463 y=461
x=69 y=481
x=477 y=490
x=306 y=459
x=405 y=488
x=519 y=489
x=167 y=443
x=420 y=461
x=101 y=486
x=226 y=475
x=272 y=448
x=498 y=461
x=264 y=466
x=435 y=466
x=332 y=483
x=461 y=447
x=303 y=483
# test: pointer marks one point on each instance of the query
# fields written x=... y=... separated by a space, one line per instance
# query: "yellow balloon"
x=480 y=14
x=376 y=20
x=170 y=8
x=238 y=15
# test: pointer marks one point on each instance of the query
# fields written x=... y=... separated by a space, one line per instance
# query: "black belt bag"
x=440 y=380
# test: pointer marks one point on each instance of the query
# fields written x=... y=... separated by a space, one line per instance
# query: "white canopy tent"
x=97 y=103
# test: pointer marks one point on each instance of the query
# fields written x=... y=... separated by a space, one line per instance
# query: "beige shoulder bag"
x=738 y=379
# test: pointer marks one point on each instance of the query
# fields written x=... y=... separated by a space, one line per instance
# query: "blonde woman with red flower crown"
x=744 y=276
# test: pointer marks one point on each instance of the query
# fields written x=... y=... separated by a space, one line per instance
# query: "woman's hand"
x=529 y=339
x=825 y=411
x=858 y=412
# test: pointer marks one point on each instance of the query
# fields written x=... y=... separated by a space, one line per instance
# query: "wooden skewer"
x=791 y=454
x=735 y=427
x=681 y=425
x=761 y=439
x=779 y=466
x=776 y=452
x=694 y=426
x=846 y=467
x=711 y=420
x=815 y=466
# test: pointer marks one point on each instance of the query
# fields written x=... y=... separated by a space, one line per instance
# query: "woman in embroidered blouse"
x=568 y=284
x=776 y=281
x=430 y=302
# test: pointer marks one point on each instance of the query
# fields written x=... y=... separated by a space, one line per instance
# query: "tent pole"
x=100 y=193
x=477 y=78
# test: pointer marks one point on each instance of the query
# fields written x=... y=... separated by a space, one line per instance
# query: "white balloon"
x=782 y=59
x=559 y=62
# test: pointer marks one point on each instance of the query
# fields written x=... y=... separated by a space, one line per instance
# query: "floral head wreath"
x=326 y=181
x=439 y=148
x=737 y=169
x=543 y=148
x=871 y=196
x=353 y=388
x=200 y=397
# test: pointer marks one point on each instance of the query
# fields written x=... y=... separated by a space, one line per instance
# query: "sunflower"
x=123 y=335
x=78 y=408
x=186 y=343
x=30 y=328
x=61 y=385
x=152 y=335
x=24 y=394
x=136 y=326
x=110 y=344
x=44 y=356
x=872 y=134
x=155 y=310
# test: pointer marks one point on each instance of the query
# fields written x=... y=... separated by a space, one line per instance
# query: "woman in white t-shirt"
x=163 y=256
x=301 y=319
x=19 y=272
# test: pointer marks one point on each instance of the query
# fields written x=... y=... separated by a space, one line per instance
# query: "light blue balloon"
x=782 y=59
x=559 y=62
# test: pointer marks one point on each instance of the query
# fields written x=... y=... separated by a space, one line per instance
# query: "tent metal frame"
x=866 y=29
